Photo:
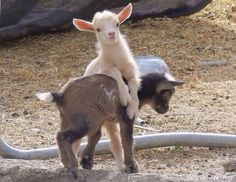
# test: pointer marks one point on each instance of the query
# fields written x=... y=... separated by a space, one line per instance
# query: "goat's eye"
x=117 y=25
x=98 y=30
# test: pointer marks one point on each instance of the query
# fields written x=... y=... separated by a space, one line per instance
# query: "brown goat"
x=85 y=104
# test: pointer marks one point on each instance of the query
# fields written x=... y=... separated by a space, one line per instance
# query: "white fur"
x=115 y=59
x=108 y=93
x=46 y=97
x=169 y=77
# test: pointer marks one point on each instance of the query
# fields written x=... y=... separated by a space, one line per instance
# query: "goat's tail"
x=50 y=97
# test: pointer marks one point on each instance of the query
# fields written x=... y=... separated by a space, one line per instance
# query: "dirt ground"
x=206 y=103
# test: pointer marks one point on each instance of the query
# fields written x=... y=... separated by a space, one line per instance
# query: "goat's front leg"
x=123 y=88
x=115 y=145
x=126 y=130
x=92 y=68
x=133 y=107
x=88 y=153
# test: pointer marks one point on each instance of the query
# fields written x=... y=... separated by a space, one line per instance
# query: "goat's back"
x=92 y=96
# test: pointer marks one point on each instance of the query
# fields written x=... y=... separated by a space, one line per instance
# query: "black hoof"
x=131 y=169
x=86 y=162
x=73 y=172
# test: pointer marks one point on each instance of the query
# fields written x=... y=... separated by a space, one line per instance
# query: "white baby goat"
x=114 y=58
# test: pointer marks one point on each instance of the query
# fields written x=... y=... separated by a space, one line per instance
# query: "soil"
x=206 y=103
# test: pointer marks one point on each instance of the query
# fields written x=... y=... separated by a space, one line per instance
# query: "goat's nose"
x=111 y=33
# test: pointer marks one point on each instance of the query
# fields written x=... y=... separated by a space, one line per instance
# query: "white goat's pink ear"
x=125 y=13
x=83 y=25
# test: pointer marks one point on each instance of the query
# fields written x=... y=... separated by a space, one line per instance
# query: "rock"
x=233 y=8
x=50 y=123
x=25 y=112
x=150 y=64
x=15 y=115
x=230 y=166
x=35 y=130
x=189 y=69
x=34 y=17
x=26 y=97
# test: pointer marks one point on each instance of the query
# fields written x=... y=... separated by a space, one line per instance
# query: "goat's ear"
x=125 y=13
x=167 y=84
x=83 y=25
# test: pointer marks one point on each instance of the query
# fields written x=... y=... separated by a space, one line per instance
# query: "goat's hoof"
x=86 y=162
x=124 y=101
x=132 y=168
x=125 y=97
x=132 y=111
x=73 y=171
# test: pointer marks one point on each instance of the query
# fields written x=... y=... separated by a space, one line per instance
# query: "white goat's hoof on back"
x=132 y=110
x=125 y=98
x=123 y=101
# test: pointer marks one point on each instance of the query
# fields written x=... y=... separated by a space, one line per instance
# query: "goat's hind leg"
x=115 y=145
x=68 y=159
x=88 y=153
x=65 y=139
x=76 y=147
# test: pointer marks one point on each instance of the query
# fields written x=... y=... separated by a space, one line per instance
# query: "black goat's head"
x=156 y=90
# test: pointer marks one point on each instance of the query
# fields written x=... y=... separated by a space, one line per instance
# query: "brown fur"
x=83 y=116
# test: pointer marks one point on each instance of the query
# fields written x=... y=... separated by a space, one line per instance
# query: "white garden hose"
x=141 y=142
